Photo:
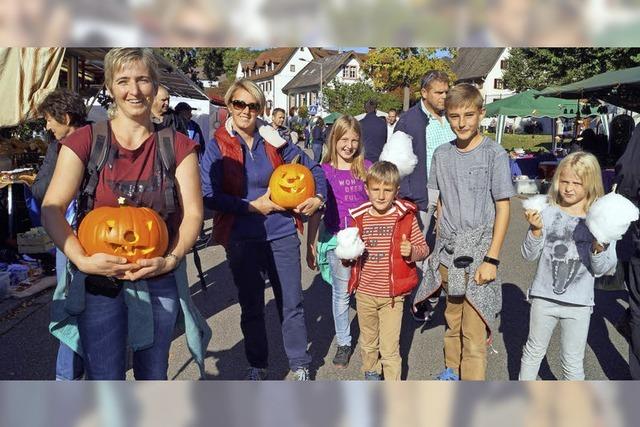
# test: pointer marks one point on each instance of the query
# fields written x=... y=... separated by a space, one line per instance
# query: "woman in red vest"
x=259 y=237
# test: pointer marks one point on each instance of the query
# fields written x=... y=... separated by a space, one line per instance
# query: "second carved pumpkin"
x=291 y=184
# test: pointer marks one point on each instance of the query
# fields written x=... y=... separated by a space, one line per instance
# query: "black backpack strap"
x=100 y=148
x=166 y=140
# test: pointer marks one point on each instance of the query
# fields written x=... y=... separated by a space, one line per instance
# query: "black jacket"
x=374 y=136
x=414 y=123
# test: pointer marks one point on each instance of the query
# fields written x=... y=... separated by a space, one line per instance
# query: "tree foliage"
x=394 y=67
x=538 y=68
x=350 y=98
x=231 y=58
x=191 y=60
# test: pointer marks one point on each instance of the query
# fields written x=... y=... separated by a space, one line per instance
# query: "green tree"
x=231 y=58
x=191 y=60
x=393 y=67
x=350 y=98
x=538 y=68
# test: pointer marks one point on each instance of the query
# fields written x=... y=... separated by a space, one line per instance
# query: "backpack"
x=101 y=154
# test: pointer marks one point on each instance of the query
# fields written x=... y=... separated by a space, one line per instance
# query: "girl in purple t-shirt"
x=345 y=168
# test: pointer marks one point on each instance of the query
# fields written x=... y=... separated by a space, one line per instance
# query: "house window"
x=498 y=84
x=350 y=72
x=503 y=64
x=292 y=68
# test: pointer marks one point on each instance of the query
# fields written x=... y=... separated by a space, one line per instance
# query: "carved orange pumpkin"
x=133 y=233
x=291 y=184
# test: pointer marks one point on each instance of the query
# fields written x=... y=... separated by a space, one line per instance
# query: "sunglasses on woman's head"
x=241 y=105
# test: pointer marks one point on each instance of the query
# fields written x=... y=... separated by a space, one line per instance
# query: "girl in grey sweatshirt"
x=570 y=259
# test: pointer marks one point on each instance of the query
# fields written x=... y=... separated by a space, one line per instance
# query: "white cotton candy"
x=536 y=203
x=610 y=216
x=272 y=136
x=350 y=245
x=399 y=151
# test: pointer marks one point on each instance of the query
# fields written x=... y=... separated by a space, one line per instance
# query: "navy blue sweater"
x=258 y=170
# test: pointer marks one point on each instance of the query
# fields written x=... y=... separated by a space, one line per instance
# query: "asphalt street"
x=27 y=350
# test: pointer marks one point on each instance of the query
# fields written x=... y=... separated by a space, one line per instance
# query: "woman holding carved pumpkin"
x=114 y=296
x=260 y=236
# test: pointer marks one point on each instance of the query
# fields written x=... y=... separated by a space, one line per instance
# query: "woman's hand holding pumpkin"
x=309 y=206
x=263 y=204
x=146 y=268
x=105 y=265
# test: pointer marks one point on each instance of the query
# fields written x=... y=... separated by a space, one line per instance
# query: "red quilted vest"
x=404 y=275
x=233 y=179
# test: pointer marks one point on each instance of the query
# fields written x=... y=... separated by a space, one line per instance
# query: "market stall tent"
x=619 y=87
x=529 y=104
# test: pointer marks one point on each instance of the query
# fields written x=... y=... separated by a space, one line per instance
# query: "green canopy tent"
x=527 y=104
x=331 y=118
x=620 y=87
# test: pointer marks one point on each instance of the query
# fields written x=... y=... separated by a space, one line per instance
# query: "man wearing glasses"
x=429 y=128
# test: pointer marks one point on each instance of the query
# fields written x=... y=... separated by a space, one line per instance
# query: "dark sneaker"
x=301 y=374
x=372 y=376
x=256 y=374
x=448 y=375
x=343 y=354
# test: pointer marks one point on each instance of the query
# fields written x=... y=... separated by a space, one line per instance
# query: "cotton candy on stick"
x=610 y=216
x=350 y=245
x=536 y=203
x=399 y=151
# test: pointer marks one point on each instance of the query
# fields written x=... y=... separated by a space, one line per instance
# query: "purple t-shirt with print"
x=344 y=192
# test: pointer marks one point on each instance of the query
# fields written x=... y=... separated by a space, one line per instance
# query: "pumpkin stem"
x=296 y=159
x=121 y=201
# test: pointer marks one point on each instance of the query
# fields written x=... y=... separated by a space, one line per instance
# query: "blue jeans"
x=69 y=364
x=340 y=298
x=317 y=152
x=103 y=334
x=280 y=261
x=574 y=328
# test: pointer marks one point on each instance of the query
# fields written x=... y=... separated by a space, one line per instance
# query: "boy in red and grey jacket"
x=386 y=272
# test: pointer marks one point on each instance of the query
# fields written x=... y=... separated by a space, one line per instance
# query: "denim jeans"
x=280 y=261
x=574 y=328
x=103 y=334
x=69 y=364
x=340 y=298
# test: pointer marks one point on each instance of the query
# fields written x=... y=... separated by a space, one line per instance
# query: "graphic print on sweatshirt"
x=565 y=236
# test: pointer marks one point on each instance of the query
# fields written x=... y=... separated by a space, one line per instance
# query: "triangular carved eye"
x=111 y=224
x=149 y=225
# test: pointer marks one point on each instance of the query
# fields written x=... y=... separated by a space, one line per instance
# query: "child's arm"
x=487 y=272
x=533 y=242
x=313 y=224
x=415 y=249
x=603 y=260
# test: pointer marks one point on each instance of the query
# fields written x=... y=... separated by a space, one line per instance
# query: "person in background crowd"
x=374 y=131
x=163 y=115
x=392 y=117
x=193 y=129
x=319 y=135
x=64 y=112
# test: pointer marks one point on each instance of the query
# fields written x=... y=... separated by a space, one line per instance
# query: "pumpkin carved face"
x=132 y=233
x=291 y=184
